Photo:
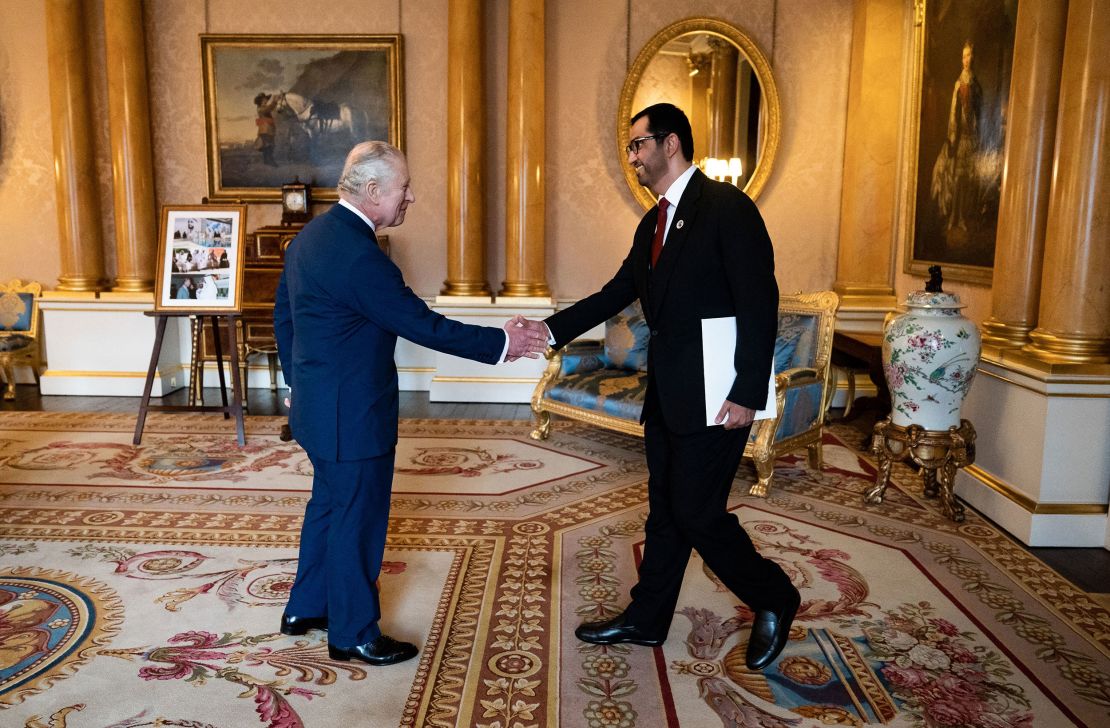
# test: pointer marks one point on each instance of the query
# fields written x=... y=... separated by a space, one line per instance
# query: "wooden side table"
x=861 y=351
x=937 y=453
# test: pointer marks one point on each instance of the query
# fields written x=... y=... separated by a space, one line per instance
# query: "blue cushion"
x=586 y=361
x=796 y=343
x=626 y=339
x=800 y=410
x=15 y=311
x=603 y=391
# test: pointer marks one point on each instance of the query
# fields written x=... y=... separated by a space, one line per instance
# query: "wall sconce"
x=723 y=170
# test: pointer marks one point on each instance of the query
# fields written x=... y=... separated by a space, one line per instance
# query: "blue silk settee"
x=603 y=382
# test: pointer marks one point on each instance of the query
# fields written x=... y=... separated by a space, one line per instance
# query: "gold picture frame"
x=768 y=119
x=955 y=141
x=278 y=107
x=200 y=259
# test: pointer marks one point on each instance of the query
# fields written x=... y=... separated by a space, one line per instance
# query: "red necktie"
x=660 y=231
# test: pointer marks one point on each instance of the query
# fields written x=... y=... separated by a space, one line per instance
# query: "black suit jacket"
x=717 y=261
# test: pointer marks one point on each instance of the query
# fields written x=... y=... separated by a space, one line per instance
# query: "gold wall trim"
x=486 y=380
x=853 y=301
x=416 y=370
x=1011 y=493
x=122 y=375
x=1061 y=395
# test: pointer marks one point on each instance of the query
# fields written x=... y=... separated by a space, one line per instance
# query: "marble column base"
x=1042 y=468
x=100 y=345
x=462 y=380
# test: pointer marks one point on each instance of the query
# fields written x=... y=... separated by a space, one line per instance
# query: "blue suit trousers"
x=342 y=544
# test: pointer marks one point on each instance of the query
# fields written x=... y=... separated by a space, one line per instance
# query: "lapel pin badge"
x=679 y=224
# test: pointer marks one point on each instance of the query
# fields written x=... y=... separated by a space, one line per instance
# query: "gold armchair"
x=19 y=330
x=582 y=382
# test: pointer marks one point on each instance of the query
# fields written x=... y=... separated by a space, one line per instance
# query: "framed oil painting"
x=961 y=83
x=283 y=107
x=200 y=259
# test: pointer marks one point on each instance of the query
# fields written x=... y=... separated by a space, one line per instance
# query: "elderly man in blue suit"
x=340 y=306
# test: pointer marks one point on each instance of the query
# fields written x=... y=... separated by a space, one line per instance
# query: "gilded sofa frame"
x=762 y=448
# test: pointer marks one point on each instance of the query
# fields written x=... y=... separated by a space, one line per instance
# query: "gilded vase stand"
x=937 y=452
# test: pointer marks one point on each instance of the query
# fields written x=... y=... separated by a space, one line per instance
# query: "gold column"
x=524 y=203
x=1074 y=321
x=129 y=128
x=82 y=250
x=466 y=133
x=722 y=109
x=700 y=66
x=1027 y=177
x=868 y=201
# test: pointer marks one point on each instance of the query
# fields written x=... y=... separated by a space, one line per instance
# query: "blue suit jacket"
x=340 y=306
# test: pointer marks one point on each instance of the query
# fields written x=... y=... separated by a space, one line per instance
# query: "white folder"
x=718 y=352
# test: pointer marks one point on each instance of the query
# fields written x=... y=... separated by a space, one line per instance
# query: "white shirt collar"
x=674 y=192
x=358 y=212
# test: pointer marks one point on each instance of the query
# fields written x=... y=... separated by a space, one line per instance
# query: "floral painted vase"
x=929 y=357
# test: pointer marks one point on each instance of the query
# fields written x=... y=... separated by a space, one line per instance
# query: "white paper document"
x=718 y=352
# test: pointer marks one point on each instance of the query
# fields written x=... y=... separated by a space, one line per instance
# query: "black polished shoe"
x=383 y=651
x=301 y=625
x=616 y=630
x=770 y=632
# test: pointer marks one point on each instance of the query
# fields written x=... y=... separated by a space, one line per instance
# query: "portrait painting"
x=962 y=82
x=285 y=107
x=200 y=258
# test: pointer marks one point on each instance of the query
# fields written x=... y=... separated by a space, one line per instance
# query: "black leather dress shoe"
x=383 y=651
x=301 y=625
x=616 y=630
x=770 y=632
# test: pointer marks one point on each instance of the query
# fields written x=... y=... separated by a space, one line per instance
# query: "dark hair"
x=669 y=119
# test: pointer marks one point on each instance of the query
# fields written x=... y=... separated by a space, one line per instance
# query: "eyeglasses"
x=634 y=144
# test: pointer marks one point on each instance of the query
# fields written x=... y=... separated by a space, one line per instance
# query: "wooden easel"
x=236 y=406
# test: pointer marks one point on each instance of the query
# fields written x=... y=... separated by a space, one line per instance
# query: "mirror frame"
x=760 y=66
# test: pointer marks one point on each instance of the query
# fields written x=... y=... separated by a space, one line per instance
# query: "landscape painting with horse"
x=306 y=115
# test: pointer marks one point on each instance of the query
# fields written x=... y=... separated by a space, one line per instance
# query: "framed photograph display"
x=200 y=259
x=283 y=106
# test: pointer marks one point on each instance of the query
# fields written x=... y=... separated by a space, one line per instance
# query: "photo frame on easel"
x=200 y=259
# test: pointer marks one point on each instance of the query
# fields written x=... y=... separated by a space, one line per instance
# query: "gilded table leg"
x=882 y=479
x=929 y=476
x=947 y=476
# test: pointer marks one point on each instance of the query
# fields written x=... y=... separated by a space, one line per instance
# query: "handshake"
x=526 y=338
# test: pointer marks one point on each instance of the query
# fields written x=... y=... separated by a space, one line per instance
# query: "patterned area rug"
x=142 y=586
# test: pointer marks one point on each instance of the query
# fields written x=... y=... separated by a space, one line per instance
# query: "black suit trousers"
x=690 y=476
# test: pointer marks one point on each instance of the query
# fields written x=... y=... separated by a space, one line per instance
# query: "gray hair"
x=368 y=162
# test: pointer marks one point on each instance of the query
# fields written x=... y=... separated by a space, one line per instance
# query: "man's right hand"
x=526 y=338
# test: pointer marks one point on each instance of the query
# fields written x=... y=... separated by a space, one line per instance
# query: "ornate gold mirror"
x=716 y=74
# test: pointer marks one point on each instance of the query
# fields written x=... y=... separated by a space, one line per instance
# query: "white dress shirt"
x=674 y=194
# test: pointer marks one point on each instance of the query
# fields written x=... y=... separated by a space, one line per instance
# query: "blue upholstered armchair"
x=603 y=382
x=19 y=326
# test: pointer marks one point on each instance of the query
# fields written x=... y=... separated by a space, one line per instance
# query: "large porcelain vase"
x=929 y=357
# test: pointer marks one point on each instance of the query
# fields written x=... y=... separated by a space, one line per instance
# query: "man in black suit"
x=339 y=308
x=703 y=252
